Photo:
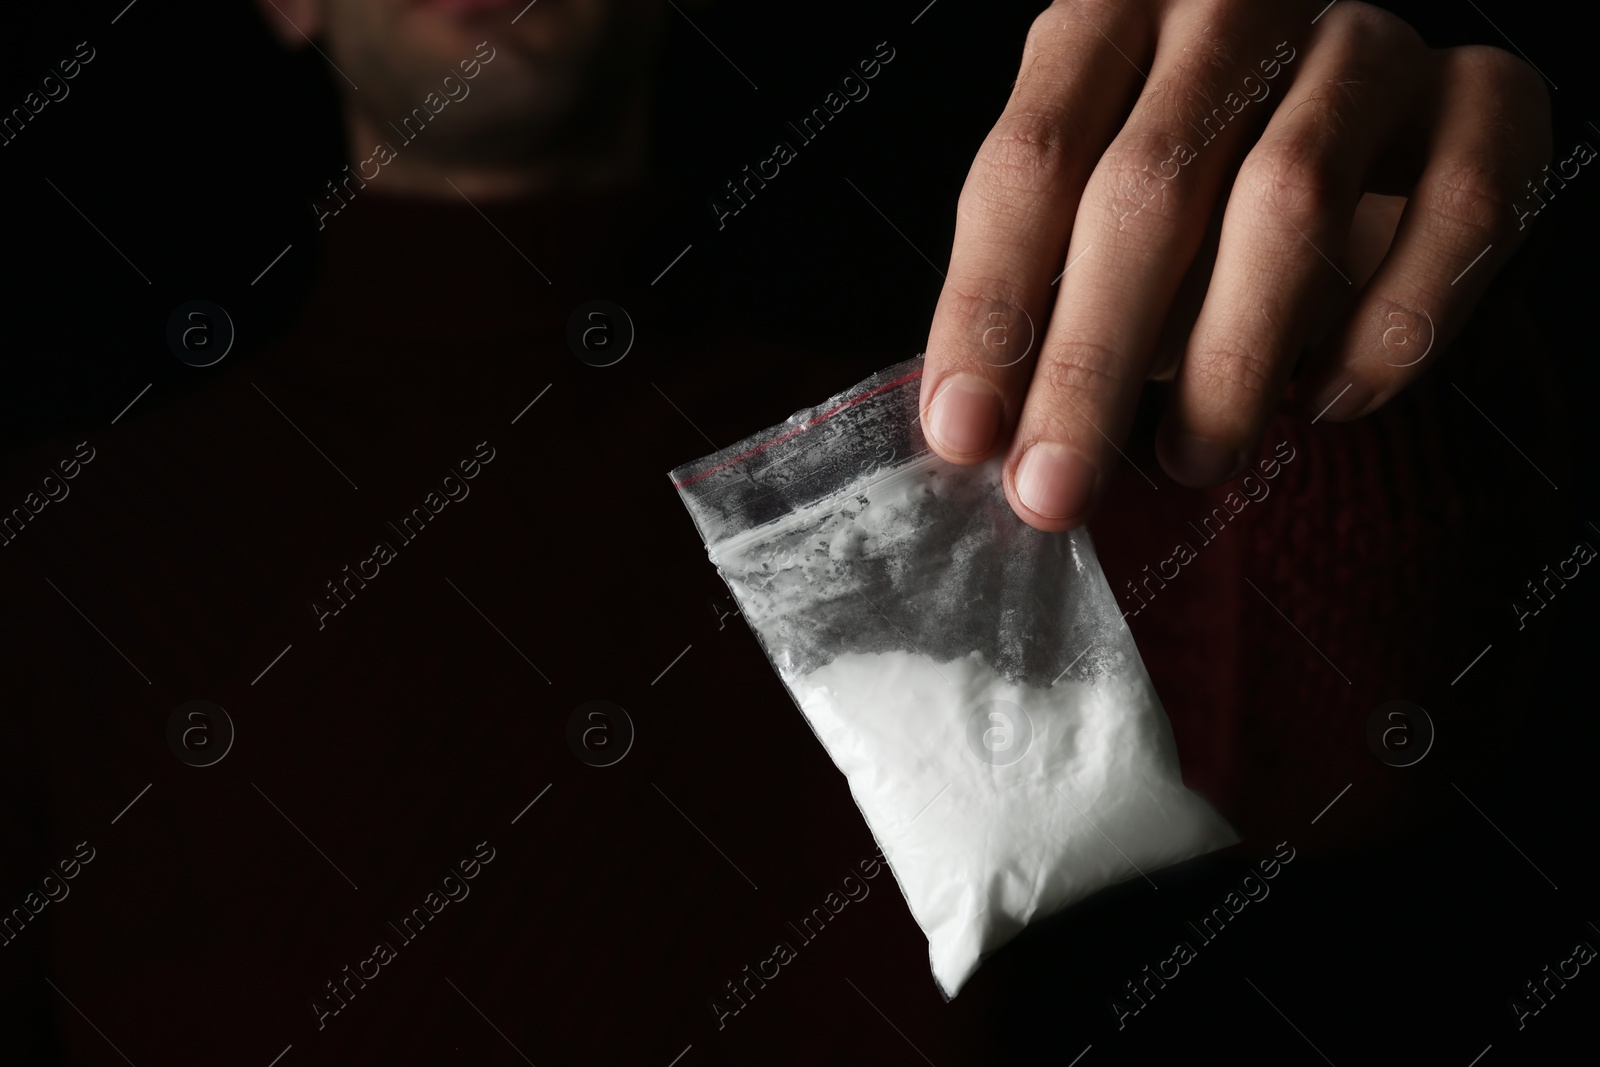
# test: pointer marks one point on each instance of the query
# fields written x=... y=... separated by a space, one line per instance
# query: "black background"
x=195 y=143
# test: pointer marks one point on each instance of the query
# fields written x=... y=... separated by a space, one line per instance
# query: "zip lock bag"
x=971 y=676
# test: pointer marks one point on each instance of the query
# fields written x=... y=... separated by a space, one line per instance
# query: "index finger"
x=1014 y=219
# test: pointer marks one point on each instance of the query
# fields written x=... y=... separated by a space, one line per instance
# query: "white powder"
x=979 y=849
x=903 y=603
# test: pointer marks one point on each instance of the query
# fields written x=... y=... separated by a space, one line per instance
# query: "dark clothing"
x=402 y=736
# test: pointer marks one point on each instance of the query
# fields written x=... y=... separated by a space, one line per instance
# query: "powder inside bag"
x=998 y=795
x=972 y=677
x=981 y=849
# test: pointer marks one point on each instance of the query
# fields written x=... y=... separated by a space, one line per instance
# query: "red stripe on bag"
x=802 y=428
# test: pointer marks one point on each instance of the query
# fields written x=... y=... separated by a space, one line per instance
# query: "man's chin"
x=445 y=27
x=467 y=7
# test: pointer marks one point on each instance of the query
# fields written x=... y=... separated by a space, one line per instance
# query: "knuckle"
x=1367 y=28
x=1498 y=71
x=1470 y=193
x=982 y=322
x=1515 y=102
x=1027 y=152
x=1047 y=29
x=1231 y=373
x=1293 y=179
x=1075 y=388
x=1143 y=173
x=1065 y=19
x=975 y=297
x=1373 y=51
x=1078 y=372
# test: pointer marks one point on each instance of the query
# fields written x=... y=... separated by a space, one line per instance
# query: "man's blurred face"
x=561 y=75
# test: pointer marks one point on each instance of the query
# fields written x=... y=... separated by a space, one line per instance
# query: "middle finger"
x=1139 y=224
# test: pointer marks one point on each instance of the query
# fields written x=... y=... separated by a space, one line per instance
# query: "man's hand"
x=1215 y=183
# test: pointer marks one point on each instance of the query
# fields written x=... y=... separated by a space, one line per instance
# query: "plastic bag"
x=971 y=676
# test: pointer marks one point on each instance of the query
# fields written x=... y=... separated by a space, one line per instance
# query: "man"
x=406 y=551
x=559 y=96
x=1351 y=117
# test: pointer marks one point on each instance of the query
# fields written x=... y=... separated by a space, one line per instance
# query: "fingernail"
x=1055 y=481
x=964 y=418
x=1198 y=461
x=1340 y=400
